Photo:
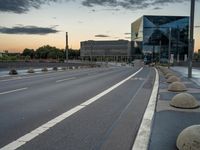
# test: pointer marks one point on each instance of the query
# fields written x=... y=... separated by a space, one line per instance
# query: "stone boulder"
x=189 y=138
x=184 y=100
x=177 y=87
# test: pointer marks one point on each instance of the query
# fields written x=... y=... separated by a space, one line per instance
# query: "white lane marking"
x=31 y=135
x=17 y=90
x=144 y=132
x=67 y=79
x=88 y=102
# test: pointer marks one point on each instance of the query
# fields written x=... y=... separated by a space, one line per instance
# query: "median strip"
x=17 y=90
x=31 y=135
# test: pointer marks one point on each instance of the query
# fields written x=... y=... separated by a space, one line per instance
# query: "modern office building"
x=157 y=35
x=98 y=50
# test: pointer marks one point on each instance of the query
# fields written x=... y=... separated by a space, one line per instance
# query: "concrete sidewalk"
x=183 y=71
x=170 y=121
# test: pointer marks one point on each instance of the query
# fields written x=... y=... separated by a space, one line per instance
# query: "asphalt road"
x=109 y=122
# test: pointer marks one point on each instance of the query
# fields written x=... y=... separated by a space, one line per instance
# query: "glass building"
x=156 y=35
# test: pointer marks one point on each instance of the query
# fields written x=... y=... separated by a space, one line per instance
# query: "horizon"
x=34 y=24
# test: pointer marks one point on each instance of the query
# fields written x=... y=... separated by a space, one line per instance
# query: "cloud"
x=129 y=4
x=111 y=9
x=91 y=3
x=22 y=6
x=157 y=8
x=28 y=30
x=102 y=35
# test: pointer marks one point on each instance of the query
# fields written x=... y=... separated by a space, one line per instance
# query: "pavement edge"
x=143 y=136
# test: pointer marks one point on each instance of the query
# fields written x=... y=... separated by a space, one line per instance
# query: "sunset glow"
x=80 y=20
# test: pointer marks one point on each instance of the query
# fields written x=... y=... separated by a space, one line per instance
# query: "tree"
x=49 y=52
x=42 y=52
x=28 y=52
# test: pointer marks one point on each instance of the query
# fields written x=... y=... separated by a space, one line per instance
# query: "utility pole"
x=91 y=51
x=66 y=47
x=191 y=40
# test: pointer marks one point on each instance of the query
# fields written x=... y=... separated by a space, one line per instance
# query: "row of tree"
x=49 y=52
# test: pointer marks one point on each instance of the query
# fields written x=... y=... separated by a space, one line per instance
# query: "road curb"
x=143 y=136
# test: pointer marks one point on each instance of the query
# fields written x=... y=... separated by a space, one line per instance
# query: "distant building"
x=152 y=35
x=98 y=50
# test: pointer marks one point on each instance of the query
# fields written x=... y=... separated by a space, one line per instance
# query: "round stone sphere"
x=165 y=71
x=177 y=87
x=168 y=75
x=173 y=79
x=184 y=100
x=189 y=138
x=162 y=69
x=13 y=72
x=30 y=70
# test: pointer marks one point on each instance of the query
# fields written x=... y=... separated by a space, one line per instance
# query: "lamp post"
x=66 y=48
x=169 y=48
x=191 y=40
x=160 y=50
x=177 y=46
x=91 y=52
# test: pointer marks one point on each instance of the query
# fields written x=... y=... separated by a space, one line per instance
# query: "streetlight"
x=160 y=50
x=177 y=43
x=169 y=49
x=91 y=51
x=66 y=48
x=191 y=40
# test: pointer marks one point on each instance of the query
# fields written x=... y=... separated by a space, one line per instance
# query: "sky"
x=34 y=23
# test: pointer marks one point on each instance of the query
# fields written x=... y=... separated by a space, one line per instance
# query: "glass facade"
x=152 y=35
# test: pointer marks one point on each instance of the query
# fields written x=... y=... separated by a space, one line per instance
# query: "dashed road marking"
x=11 y=91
